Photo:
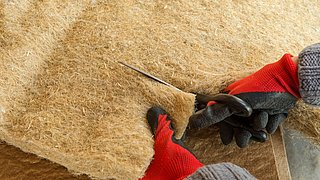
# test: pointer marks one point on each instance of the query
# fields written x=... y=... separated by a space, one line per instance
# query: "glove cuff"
x=221 y=171
x=309 y=74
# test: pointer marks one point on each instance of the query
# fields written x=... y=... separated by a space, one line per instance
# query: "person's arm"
x=309 y=74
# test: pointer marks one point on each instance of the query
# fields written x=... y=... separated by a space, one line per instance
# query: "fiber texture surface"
x=63 y=96
x=16 y=164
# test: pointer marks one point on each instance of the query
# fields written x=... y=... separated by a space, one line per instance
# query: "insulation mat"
x=258 y=158
x=64 y=96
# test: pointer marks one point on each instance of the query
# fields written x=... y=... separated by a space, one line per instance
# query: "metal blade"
x=150 y=76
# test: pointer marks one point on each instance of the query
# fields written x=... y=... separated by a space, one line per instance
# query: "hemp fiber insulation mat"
x=63 y=96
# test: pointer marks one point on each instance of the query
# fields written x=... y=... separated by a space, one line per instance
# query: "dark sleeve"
x=309 y=74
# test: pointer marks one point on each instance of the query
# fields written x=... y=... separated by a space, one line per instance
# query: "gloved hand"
x=271 y=92
x=171 y=159
x=239 y=127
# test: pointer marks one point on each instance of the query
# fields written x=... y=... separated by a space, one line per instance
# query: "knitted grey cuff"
x=309 y=74
x=221 y=171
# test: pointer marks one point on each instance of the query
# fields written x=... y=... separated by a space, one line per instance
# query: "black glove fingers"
x=274 y=122
x=242 y=137
x=210 y=115
x=226 y=132
x=260 y=120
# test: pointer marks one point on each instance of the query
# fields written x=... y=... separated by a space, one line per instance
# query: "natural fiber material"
x=16 y=164
x=66 y=98
x=63 y=96
x=306 y=119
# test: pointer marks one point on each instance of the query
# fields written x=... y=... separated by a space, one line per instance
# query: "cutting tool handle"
x=236 y=104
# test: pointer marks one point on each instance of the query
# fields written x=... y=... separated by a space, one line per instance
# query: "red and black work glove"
x=171 y=160
x=270 y=92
